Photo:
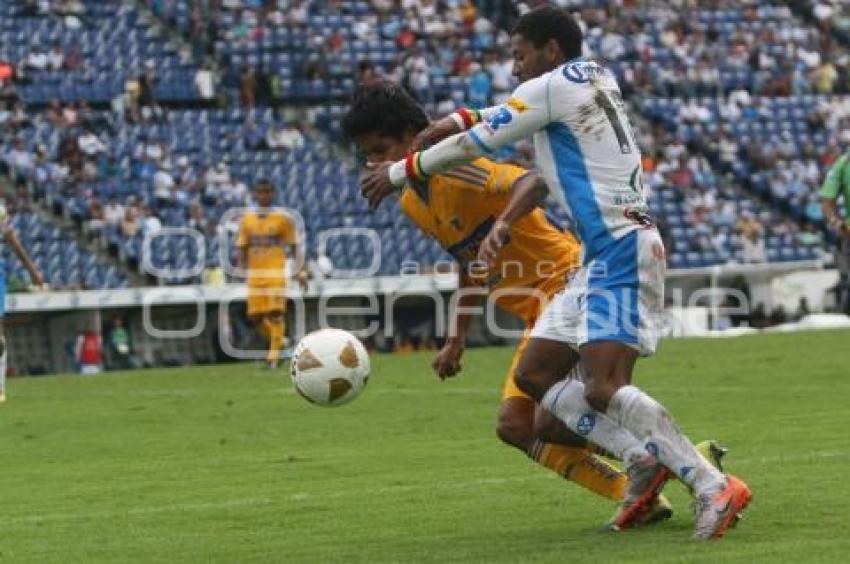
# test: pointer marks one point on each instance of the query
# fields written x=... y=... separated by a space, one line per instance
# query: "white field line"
x=256 y=502
x=287 y=391
x=359 y=492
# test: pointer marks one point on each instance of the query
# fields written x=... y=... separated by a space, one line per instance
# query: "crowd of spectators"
x=431 y=39
x=658 y=48
x=76 y=151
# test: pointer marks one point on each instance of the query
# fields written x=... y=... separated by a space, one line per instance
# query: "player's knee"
x=514 y=435
x=514 y=430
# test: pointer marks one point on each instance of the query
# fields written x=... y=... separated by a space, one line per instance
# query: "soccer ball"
x=329 y=367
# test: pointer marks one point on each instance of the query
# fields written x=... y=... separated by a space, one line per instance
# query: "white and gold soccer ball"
x=329 y=367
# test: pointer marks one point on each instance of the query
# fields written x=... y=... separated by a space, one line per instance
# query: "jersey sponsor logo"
x=652 y=449
x=575 y=72
x=627 y=199
x=517 y=104
x=502 y=117
x=639 y=216
x=582 y=72
x=586 y=423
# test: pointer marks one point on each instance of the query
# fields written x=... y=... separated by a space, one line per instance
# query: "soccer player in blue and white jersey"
x=12 y=240
x=609 y=315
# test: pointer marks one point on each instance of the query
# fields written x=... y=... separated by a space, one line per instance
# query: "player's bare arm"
x=527 y=111
x=452 y=124
x=528 y=192
x=384 y=179
x=447 y=362
x=832 y=217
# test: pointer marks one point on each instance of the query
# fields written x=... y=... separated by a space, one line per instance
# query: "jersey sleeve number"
x=614 y=113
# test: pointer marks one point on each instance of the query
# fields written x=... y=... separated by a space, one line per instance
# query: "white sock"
x=650 y=422
x=565 y=400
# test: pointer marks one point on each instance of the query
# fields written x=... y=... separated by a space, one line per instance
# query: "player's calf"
x=550 y=429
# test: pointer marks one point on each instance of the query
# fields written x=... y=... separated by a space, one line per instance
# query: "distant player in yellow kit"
x=457 y=209
x=266 y=237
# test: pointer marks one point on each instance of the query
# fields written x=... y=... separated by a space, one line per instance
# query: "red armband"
x=469 y=117
x=413 y=166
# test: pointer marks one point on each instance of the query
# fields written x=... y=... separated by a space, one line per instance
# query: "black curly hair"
x=547 y=22
x=384 y=108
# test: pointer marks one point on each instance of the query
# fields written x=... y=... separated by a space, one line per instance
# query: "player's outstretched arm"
x=526 y=112
x=447 y=362
x=15 y=244
x=528 y=192
x=457 y=122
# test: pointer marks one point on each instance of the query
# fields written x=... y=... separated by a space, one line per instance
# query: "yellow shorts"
x=510 y=389
x=264 y=300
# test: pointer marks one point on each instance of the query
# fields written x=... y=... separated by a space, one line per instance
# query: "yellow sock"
x=263 y=328
x=275 y=329
x=579 y=465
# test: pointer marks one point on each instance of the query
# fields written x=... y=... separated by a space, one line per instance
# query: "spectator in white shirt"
x=163 y=185
x=613 y=45
x=214 y=181
x=205 y=82
x=284 y=137
x=154 y=151
x=20 y=160
x=753 y=248
x=501 y=74
x=234 y=192
x=151 y=223
x=90 y=144
x=37 y=59
x=740 y=97
x=692 y=112
x=113 y=212
x=56 y=58
x=5 y=114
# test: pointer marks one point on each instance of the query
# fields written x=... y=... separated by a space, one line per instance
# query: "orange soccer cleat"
x=716 y=511
x=646 y=478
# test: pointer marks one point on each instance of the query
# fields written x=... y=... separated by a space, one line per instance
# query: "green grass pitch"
x=226 y=464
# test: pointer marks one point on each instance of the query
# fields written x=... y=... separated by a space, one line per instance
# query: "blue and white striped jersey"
x=585 y=148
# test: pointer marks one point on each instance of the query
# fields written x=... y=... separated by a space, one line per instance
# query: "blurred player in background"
x=608 y=317
x=35 y=277
x=836 y=187
x=267 y=236
x=457 y=209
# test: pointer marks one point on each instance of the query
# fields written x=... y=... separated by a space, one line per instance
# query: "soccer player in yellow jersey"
x=457 y=209
x=266 y=237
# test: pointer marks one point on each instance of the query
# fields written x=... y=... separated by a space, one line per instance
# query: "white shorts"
x=617 y=296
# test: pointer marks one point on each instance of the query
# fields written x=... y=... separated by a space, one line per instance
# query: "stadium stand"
x=75 y=51
x=739 y=118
